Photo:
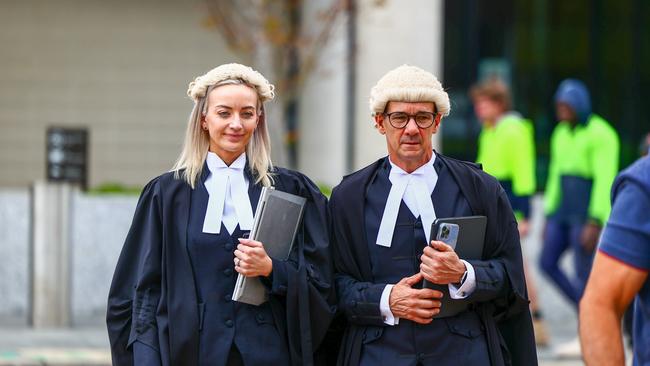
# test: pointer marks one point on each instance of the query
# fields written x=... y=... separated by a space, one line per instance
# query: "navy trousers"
x=560 y=237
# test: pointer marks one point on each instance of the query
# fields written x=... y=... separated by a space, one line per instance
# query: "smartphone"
x=448 y=234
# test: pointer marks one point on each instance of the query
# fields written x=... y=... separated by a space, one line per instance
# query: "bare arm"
x=611 y=288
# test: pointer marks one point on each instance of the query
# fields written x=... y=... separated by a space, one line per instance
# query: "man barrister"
x=381 y=217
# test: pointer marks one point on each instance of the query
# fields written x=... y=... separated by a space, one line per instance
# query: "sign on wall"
x=67 y=155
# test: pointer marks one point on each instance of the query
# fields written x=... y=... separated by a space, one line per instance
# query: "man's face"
x=487 y=110
x=565 y=112
x=411 y=145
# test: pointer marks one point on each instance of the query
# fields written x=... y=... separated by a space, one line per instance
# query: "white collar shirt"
x=415 y=190
x=228 y=201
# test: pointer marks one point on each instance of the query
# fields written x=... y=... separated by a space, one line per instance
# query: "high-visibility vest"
x=589 y=151
x=507 y=152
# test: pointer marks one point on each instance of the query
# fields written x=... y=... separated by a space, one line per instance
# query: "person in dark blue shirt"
x=620 y=274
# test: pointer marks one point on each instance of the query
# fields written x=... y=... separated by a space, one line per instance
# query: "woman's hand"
x=251 y=259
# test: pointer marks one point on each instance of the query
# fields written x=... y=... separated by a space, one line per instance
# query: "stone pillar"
x=323 y=100
x=50 y=255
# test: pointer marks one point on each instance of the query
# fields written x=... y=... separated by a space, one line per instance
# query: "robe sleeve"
x=506 y=316
x=500 y=273
x=500 y=269
x=305 y=279
x=510 y=307
x=145 y=355
x=276 y=282
x=135 y=290
x=360 y=301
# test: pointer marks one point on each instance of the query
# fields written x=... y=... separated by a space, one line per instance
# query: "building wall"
x=14 y=255
x=99 y=225
x=120 y=68
x=98 y=228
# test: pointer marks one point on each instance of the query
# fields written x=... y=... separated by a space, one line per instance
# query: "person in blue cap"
x=583 y=164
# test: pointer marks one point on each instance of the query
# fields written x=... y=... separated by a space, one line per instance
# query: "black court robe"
x=153 y=296
x=507 y=319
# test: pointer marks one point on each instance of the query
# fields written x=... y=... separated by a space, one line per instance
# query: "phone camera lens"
x=445 y=232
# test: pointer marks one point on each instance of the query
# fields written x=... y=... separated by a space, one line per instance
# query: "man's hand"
x=440 y=264
x=251 y=259
x=418 y=305
x=524 y=228
x=589 y=236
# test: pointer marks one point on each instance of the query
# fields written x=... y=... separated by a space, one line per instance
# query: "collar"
x=415 y=189
x=228 y=200
x=427 y=171
x=215 y=163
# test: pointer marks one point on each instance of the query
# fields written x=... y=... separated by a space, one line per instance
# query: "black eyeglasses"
x=399 y=120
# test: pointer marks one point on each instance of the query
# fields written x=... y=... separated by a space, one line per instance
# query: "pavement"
x=22 y=346
x=89 y=346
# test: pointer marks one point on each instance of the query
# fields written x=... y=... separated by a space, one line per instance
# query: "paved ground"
x=76 y=346
x=89 y=346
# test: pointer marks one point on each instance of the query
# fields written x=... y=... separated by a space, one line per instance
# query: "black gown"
x=154 y=298
x=505 y=317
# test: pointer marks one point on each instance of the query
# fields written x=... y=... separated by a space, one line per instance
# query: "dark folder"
x=469 y=245
x=276 y=223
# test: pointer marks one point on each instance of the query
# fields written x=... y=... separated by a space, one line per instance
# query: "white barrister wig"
x=199 y=86
x=408 y=84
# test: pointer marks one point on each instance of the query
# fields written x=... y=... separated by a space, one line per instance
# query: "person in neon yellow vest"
x=506 y=149
x=506 y=146
x=583 y=164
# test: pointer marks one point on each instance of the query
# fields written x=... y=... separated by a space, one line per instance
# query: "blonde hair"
x=189 y=165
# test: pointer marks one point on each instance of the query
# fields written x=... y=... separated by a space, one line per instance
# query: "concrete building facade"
x=121 y=70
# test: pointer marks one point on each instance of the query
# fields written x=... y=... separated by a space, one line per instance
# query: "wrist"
x=462 y=274
x=269 y=267
x=460 y=280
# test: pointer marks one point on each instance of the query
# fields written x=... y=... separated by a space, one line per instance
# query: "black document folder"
x=276 y=223
x=469 y=245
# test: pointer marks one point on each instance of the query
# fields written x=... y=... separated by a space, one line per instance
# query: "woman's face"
x=230 y=120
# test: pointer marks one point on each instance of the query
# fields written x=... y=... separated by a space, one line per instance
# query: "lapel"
x=465 y=182
x=356 y=202
x=254 y=190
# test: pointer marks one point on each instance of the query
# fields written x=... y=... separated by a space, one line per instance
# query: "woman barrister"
x=170 y=299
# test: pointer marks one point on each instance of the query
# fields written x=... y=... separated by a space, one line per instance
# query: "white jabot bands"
x=228 y=191
x=415 y=189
